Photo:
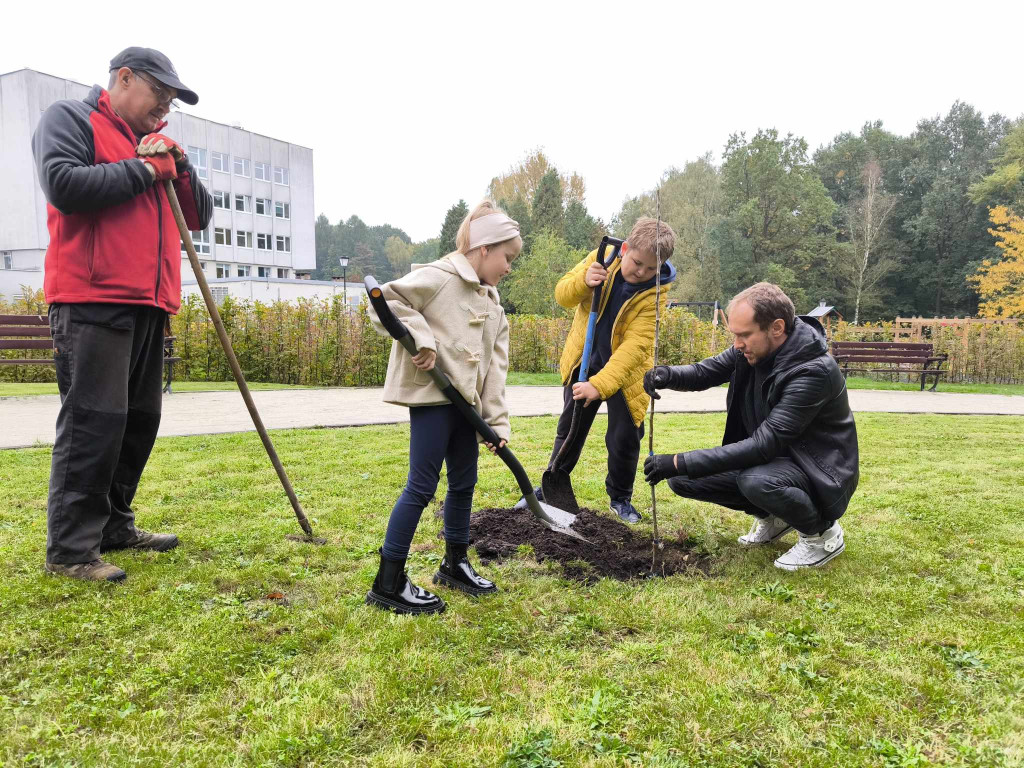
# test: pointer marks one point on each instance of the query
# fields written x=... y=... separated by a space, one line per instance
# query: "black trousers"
x=109 y=360
x=622 y=439
x=777 y=488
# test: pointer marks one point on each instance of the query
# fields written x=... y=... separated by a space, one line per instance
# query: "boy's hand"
x=494 y=450
x=595 y=275
x=424 y=359
x=585 y=390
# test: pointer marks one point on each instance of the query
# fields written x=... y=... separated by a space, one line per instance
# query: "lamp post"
x=343 y=260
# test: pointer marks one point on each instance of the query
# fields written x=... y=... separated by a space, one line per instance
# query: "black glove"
x=662 y=466
x=655 y=379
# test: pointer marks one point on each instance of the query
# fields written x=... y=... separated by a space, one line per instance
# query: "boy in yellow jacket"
x=623 y=350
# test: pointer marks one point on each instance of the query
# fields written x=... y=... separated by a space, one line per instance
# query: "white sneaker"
x=813 y=551
x=764 y=531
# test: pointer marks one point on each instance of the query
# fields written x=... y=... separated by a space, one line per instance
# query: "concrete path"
x=26 y=421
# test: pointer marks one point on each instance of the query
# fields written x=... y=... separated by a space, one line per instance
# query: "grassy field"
x=908 y=650
x=10 y=389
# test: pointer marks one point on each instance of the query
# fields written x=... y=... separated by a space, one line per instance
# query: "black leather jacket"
x=808 y=413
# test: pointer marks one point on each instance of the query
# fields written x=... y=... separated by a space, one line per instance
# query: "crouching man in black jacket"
x=789 y=456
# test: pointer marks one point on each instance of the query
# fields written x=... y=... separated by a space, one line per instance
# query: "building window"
x=284 y=244
x=222 y=200
x=243 y=239
x=263 y=271
x=243 y=270
x=282 y=210
x=263 y=241
x=243 y=203
x=201 y=241
x=197 y=157
x=222 y=236
x=261 y=171
x=262 y=206
x=223 y=270
x=8 y=260
x=280 y=175
x=282 y=273
x=219 y=161
x=241 y=166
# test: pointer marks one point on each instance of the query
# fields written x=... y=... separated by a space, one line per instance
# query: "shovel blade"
x=552 y=518
x=558 y=492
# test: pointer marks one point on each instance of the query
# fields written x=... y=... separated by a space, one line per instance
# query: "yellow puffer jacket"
x=632 y=336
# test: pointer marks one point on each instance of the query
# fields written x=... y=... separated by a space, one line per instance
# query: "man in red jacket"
x=112 y=276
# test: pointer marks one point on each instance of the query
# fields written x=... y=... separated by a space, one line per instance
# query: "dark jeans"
x=777 y=488
x=109 y=360
x=622 y=439
x=438 y=433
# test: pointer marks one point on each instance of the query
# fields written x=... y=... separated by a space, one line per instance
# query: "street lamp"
x=343 y=260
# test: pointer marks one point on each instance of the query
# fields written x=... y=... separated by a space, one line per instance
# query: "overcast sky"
x=410 y=106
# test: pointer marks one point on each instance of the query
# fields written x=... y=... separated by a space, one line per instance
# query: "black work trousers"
x=109 y=360
x=777 y=488
x=622 y=439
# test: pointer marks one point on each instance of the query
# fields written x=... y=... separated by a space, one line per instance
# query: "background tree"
x=531 y=285
x=866 y=218
x=1005 y=185
x=452 y=220
x=523 y=180
x=1000 y=283
x=546 y=211
x=399 y=254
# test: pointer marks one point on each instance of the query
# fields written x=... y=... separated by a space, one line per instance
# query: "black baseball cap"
x=156 y=64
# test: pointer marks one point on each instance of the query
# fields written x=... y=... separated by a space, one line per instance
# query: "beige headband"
x=490 y=229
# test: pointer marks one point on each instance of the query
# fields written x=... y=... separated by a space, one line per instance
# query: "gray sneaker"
x=97 y=570
x=814 y=551
x=158 y=542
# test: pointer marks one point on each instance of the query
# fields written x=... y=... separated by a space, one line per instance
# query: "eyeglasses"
x=159 y=91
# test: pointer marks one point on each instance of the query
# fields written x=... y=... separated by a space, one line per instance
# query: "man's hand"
x=584 y=390
x=595 y=275
x=161 y=166
x=655 y=379
x=158 y=144
x=494 y=450
x=424 y=359
x=662 y=466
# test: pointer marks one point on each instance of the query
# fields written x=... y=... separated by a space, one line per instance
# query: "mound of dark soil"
x=612 y=549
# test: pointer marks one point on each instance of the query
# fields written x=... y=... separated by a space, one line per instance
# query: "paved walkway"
x=26 y=421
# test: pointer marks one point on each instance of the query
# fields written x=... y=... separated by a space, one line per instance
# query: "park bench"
x=31 y=332
x=852 y=356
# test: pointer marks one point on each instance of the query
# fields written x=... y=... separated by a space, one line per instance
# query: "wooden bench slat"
x=24 y=330
x=843 y=359
x=26 y=344
x=879 y=345
x=24 y=320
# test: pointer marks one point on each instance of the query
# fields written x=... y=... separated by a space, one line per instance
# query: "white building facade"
x=263 y=222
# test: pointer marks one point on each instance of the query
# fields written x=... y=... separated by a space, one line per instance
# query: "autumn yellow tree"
x=522 y=180
x=1000 y=284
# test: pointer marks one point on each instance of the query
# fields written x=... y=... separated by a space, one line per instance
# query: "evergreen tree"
x=547 y=211
x=452 y=220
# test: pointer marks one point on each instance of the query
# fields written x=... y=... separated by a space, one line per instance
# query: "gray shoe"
x=97 y=570
x=158 y=542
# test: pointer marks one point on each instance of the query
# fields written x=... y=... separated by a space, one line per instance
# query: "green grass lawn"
x=908 y=650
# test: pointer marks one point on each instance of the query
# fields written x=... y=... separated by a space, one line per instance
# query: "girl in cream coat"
x=451 y=308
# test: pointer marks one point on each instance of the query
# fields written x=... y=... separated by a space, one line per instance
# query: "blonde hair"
x=647 y=233
x=484 y=208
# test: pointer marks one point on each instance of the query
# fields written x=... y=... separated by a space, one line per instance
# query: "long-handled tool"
x=657 y=543
x=236 y=370
x=553 y=518
x=556 y=482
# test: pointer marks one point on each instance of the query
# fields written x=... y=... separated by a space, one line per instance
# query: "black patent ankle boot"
x=457 y=572
x=392 y=591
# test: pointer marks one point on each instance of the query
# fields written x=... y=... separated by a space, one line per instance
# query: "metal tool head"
x=551 y=517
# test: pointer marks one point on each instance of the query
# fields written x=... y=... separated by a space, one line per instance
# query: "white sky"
x=410 y=106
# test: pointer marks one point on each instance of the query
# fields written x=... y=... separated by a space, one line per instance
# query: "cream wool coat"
x=448 y=310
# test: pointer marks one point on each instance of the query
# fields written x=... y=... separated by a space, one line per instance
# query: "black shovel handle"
x=401 y=334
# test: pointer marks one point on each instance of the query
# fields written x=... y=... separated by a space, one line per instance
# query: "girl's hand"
x=494 y=450
x=595 y=275
x=585 y=390
x=424 y=359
